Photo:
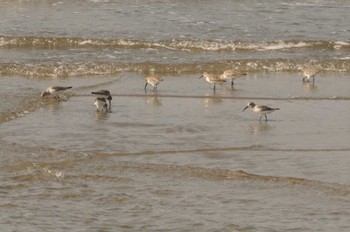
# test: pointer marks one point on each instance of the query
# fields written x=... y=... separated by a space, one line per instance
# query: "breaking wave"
x=173 y=44
x=248 y=56
x=88 y=69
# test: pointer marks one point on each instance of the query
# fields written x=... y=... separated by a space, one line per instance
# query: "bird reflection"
x=152 y=99
x=101 y=115
x=212 y=99
x=229 y=89
x=50 y=104
x=260 y=127
x=309 y=87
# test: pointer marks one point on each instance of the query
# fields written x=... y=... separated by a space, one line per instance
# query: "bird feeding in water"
x=260 y=109
x=101 y=104
x=103 y=94
x=310 y=72
x=54 y=91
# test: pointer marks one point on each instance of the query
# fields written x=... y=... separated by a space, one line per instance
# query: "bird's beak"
x=245 y=108
x=200 y=77
x=43 y=94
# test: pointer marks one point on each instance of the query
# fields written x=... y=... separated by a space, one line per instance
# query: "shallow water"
x=189 y=118
x=172 y=159
x=184 y=158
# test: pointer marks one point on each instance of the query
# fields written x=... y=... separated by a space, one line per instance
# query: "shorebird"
x=310 y=72
x=212 y=79
x=260 y=109
x=54 y=91
x=231 y=75
x=154 y=81
x=101 y=104
x=103 y=93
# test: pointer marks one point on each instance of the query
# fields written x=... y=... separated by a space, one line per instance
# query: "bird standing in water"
x=212 y=79
x=231 y=75
x=105 y=94
x=260 y=109
x=154 y=81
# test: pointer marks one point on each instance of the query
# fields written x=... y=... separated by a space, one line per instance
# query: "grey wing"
x=60 y=88
x=101 y=99
x=266 y=108
x=102 y=92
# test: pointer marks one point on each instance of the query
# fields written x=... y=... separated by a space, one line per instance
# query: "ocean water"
x=185 y=157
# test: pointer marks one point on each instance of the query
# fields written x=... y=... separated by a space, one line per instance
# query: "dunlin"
x=54 y=91
x=103 y=93
x=310 y=72
x=154 y=81
x=260 y=109
x=232 y=75
x=212 y=79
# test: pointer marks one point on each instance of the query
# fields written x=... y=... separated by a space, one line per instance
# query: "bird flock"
x=103 y=100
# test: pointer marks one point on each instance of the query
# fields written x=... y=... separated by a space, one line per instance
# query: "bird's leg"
x=265 y=118
x=145 y=86
x=260 y=117
x=232 y=84
x=214 y=87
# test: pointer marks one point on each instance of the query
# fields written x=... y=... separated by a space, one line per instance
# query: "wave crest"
x=173 y=44
x=89 y=69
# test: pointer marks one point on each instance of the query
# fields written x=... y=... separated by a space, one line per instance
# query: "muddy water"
x=184 y=158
